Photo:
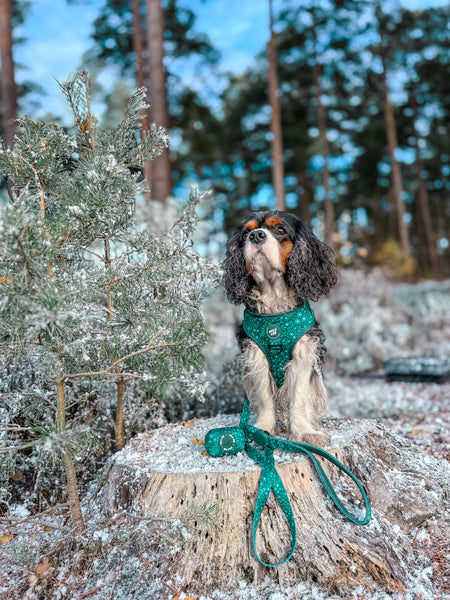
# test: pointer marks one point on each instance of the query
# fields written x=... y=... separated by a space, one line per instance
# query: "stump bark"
x=166 y=474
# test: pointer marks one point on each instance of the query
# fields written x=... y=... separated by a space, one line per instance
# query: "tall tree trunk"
x=275 y=120
x=322 y=125
x=72 y=488
x=138 y=42
x=422 y=197
x=8 y=84
x=391 y=135
x=397 y=182
x=138 y=47
x=160 y=168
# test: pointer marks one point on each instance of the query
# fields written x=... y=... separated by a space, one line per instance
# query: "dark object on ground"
x=417 y=369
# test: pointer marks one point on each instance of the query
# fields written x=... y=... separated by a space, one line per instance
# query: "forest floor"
x=409 y=320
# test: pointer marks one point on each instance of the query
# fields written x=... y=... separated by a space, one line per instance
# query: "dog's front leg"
x=259 y=386
x=305 y=393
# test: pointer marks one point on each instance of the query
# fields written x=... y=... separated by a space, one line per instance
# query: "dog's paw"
x=315 y=438
x=266 y=424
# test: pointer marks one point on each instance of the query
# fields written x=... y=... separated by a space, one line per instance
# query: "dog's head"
x=278 y=242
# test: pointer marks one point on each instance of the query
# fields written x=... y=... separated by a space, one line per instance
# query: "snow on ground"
x=418 y=411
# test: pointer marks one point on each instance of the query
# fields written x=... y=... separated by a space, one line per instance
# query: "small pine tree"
x=85 y=292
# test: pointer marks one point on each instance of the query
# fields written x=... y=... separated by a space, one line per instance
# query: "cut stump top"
x=173 y=449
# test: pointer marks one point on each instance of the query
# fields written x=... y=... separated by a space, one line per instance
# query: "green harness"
x=277 y=335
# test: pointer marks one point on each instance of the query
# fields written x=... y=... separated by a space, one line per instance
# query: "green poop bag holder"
x=269 y=332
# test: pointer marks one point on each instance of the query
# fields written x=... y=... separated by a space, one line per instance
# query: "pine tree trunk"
x=391 y=135
x=160 y=168
x=275 y=120
x=138 y=42
x=423 y=201
x=72 y=487
x=120 y=439
x=138 y=47
x=118 y=427
x=164 y=474
x=397 y=182
x=8 y=84
x=322 y=125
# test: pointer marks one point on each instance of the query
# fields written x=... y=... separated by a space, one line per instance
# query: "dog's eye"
x=245 y=235
x=280 y=230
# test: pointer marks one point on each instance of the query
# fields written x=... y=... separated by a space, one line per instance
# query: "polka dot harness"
x=276 y=334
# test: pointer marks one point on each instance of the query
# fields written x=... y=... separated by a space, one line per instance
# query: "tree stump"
x=165 y=473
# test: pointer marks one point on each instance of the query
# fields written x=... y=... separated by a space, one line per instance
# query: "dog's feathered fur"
x=274 y=263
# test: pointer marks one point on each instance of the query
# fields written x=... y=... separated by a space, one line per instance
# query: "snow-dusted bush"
x=367 y=319
x=88 y=297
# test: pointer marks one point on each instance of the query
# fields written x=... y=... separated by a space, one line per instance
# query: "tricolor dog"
x=274 y=266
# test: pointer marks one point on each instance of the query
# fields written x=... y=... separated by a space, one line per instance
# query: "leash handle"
x=270 y=480
x=309 y=450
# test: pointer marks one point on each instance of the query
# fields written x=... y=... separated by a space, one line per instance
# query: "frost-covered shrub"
x=89 y=297
x=367 y=319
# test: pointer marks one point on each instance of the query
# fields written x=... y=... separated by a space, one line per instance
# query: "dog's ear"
x=237 y=280
x=311 y=267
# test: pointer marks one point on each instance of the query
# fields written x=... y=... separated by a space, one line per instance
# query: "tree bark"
x=8 y=84
x=391 y=135
x=164 y=474
x=138 y=42
x=138 y=47
x=397 y=182
x=321 y=122
x=276 y=142
x=422 y=197
x=120 y=384
x=120 y=438
x=160 y=167
x=72 y=487
x=322 y=126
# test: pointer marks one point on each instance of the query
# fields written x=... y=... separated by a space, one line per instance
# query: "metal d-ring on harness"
x=268 y=331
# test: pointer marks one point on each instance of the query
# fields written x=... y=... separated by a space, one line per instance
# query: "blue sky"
x=57 y=35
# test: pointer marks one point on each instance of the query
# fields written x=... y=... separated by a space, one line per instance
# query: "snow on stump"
x=164 y=474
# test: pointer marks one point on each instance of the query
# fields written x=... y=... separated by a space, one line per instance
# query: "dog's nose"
x=257 y=236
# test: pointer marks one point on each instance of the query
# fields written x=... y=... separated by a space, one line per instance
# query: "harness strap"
x=270 y=479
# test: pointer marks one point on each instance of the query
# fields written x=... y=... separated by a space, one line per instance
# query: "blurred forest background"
x=343 y=117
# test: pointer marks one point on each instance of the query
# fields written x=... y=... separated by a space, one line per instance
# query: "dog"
x=274 y=264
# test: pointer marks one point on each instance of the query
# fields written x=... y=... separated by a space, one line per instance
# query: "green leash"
x=226 y=441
